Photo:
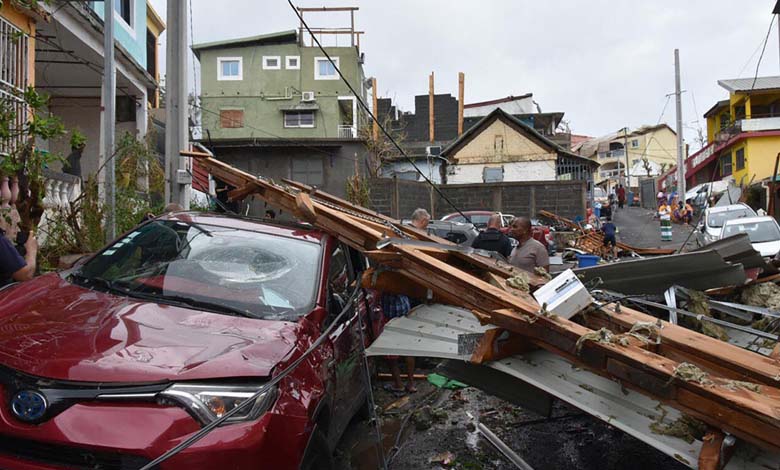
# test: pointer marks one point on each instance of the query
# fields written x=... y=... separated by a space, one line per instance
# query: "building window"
x=725 y=164
x=324 y=70
x=230 y=68
x=273 y=62
x=740 y=159
x=124 y=8
x=299 y=119
x=498 y=144
x=231 y=118
x=293 y=62
x=493 y=175
x=725 y=120
x=635 y=143
x=307 y=170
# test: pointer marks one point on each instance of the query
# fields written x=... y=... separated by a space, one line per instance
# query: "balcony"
x=61 y=190
x=347 y=132
x=617 y=153
x=610 y=173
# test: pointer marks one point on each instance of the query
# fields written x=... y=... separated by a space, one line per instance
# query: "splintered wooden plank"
x=688 y=345
x=748 y=415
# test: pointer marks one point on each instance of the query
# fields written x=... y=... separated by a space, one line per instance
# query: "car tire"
x=318 y=455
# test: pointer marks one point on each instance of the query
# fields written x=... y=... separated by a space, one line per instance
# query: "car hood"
x=51 y=328
x=767 y=248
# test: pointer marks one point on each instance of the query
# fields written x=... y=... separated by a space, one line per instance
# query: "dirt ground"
x=568 y=439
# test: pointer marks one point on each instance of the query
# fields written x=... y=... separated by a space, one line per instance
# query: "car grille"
x=69 y=457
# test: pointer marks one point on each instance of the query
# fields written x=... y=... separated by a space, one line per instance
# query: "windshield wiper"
x=105 y=284
x=182 y=301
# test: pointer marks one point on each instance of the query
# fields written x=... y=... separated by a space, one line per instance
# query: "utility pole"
x=109 y=118
x=680 y=145
x=625 y=148
x=431 y=115
x=177 y=178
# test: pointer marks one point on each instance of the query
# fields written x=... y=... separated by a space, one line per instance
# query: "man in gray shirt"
x=530 y=253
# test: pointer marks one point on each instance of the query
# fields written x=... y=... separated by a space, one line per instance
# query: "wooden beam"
x=329 y=9
x=431 y=118
x=461 y=82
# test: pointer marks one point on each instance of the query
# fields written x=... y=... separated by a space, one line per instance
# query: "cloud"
x=606 y=64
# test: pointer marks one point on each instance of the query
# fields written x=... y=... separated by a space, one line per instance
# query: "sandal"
x=395 y=391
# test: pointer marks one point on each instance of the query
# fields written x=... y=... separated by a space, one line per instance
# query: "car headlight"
x=208 y=403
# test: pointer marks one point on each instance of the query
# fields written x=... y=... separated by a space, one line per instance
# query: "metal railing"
x=14 y=54
x=347 y=132
x=61 y=190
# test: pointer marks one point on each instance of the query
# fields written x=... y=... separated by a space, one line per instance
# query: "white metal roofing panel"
x=432 y=331
x=746 y=84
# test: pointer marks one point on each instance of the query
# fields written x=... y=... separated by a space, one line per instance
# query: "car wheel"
x=318 y=455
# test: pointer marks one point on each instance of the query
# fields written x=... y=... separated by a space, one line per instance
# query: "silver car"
x=710 y=227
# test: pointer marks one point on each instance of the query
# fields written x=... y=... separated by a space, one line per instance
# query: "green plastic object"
x=444 y=382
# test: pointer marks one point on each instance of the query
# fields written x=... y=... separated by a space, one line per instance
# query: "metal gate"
x=14 y=79
x=647 y=192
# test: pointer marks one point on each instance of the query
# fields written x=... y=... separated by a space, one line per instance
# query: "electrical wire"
x=265 y=388
x=766 y=39
x=371 y=114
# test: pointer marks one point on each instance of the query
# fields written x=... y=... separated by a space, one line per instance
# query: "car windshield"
x=479 y=220
x=758 y=232
x=208 y=267
x=717 y=219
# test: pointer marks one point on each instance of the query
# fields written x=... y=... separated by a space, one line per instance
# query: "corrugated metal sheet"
x=746 y=84
x=433 y=330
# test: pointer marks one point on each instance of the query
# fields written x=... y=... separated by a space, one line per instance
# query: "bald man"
x=492 y=239
x=530 y=253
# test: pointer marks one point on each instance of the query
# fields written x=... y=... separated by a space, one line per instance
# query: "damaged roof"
x=289 y=36
x=700 y=270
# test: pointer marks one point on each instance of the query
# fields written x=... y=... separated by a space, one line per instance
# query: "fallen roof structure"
x=736 y=391
x=699 y=271
x=436 y=331
x=738 y=249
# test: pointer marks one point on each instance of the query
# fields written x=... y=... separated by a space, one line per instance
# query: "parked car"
x=113 y=363
x=709 y=229
x=456 y=232
x=540 y=232
x=764 y=233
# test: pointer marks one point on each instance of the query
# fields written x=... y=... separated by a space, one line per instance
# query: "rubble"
x=459 y=279
x=766 y=295
x=686 y=428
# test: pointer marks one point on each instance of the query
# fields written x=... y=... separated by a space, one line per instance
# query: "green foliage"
x=77 y=140
x=358 y=191
x=81 y=229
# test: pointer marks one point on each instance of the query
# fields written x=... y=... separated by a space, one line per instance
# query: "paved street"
x=638 y=227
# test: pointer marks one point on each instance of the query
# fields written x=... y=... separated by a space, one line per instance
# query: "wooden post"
x=376 y=113
x=430 y=108
x=432 y=198
x=352 y=27
x=461 y=80
x=395 y=202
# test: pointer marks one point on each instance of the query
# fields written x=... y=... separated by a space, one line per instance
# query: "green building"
x=275 y=107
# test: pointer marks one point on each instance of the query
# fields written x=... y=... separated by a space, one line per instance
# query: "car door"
x=344 y=366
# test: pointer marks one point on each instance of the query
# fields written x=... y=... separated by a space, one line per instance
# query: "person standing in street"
x=665 y=218
x=610 y=239
x=530 y=253
x=14 y=267
x=492 y=239
x=621 y=196
x=399 y=305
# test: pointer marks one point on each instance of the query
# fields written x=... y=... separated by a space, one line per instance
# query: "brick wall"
x=399 y=198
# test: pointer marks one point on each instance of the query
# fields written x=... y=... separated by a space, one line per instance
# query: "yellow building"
x=743 y=134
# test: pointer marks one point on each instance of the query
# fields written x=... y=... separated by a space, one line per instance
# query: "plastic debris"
x=445 y=382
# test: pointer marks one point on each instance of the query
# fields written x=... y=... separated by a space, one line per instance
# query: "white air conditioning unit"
x=433 y=150
x=308 y=96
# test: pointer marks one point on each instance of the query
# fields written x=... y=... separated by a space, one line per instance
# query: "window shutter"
x=231 y=118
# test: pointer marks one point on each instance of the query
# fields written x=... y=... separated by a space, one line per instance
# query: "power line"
x=766 y=39
x=371 y=114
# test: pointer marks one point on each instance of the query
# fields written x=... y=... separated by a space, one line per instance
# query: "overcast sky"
x=606 y=64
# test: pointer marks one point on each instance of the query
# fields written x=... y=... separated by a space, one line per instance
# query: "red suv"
x=115 y=362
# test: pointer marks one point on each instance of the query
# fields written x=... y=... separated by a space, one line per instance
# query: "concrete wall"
x=337 y=163
x=133 y=38
x=82 y=114
x=517 y=171
x=399 y=198
x=262 y=94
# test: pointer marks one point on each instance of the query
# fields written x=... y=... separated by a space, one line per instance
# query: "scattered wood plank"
x=750 y=413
